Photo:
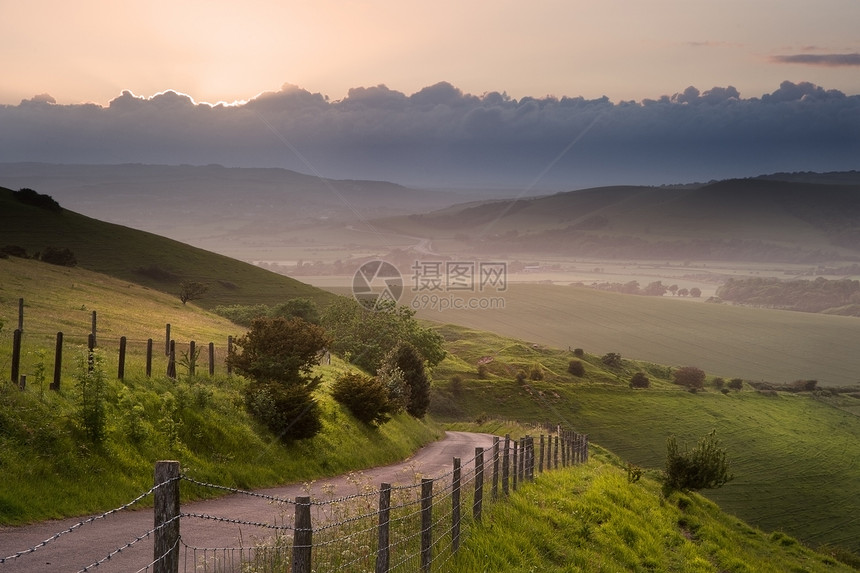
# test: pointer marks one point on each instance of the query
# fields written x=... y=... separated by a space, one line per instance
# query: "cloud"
x=825 y=60
x=443 y=137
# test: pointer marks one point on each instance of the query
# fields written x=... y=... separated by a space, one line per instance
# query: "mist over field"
x=441 y=136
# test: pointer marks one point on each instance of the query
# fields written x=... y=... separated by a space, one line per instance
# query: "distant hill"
x=212 y=206
x=143 y=258
x=790 y=218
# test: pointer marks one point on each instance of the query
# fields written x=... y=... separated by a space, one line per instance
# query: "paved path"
x=88 y=544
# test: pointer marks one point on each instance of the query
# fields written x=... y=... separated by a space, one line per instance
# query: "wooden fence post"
x=495 y=467
x=21 y=314
x=477 y=507
x=58 y=362
x=171 y=361
x=211 y=359
x=229 y=351
x=192 y=358
x=426 y=524
x=91 y=346
x=383 y=550
x=22 y=382
x=506 y=464
x=16 y=355
x=302 y=536
x=120 y=372
x=555 y=454
x=148 y=357
x=515 y=465
x=167 y=339
x=94 y=329
x=166 y=502
x=542 y=449
x=455 y=507
x=563 y=450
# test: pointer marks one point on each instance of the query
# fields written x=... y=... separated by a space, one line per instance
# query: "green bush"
x=576 y=368
x=364 y=396
x=690 y=377
x=289 y=411
x=736 y=384
x=536 y=372
x=640 y=380
x=611 y=359
x=578 y=352
x=703 y=467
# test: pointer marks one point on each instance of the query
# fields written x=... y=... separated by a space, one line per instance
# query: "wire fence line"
x=417 y=526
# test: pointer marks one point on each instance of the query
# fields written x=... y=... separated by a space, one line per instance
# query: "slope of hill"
x=144 y=258
x=749 y=219
x=595 y=518
x=215 y=207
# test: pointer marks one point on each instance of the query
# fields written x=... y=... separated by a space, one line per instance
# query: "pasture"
x=724 y=340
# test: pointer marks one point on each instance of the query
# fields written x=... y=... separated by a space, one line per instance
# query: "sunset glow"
x=90 y=51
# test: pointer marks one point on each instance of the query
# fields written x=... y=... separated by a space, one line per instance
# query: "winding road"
x=81 y=548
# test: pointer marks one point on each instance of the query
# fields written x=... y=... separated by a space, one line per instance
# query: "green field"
x=730 y=341
x=795 y=456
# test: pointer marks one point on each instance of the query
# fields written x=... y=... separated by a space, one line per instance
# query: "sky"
x=106 y=53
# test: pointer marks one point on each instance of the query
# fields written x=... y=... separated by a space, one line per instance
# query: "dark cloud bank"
x=442 y=137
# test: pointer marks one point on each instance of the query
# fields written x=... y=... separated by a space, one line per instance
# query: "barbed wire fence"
x=414 y=527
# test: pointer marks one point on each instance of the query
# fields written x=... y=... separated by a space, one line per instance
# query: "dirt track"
x=74 y=551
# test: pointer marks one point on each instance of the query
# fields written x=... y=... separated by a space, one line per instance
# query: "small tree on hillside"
x=703 y=467
x=278 y=354
x=409 y=361
x=191 y=290
x=576 y=368
x=736 y=384
x=364 y=396
x=611 y=359
x=640 y=380
x=690 y=377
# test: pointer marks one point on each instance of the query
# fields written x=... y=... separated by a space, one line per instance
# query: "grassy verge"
x=592 y=518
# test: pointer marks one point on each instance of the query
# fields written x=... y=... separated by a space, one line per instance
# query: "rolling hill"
x=144 y=258
x=762 y=219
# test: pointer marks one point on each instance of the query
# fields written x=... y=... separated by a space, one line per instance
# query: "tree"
x=407 y=358
x=278 y=354
x=703 y=467
x=59 y=256
x=576 y=368
x=611 y=359
x=640 y=380
x=656 y=288
x=690 y=376
x=695 y=292
x=366 y=397
x=191 y=290
x=283 y=350
x=736 y=384
x=683 y=292
x=303 y=308
x=365 y=336
x=673 y=289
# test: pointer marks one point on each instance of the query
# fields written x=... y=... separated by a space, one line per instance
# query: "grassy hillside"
x=794 y=455
x=592 y=518
x=144 y=258
x=50 y=469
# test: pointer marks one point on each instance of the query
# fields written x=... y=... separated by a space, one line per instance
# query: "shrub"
x=91 y=384
x=578 y=352
x=611 y=359
x=521 y=376
x=640 y=380
x=365 y=397
x=56 y=256
x=803 y=386
x=736 y=384
x=690 y=377
x=576 y=368
x=703 y=467
x=40 y=200
x=718 y=383
x=456 y=386
x=536 y=372
x=289 y=411
x=411 y=364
